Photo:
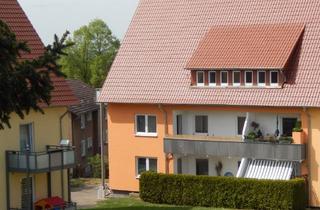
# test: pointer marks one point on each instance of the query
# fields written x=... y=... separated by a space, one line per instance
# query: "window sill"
x=146 y=134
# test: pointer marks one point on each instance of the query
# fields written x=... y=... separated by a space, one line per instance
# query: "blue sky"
x=51 y=17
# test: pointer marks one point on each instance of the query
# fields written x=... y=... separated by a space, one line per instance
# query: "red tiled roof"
x=12 y=14
x=150 y=65
x=262 y=46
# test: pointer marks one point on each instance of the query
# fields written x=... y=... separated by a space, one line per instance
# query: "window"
x=146 y=125
x=202 y=167
x=200 y=78
x=248 y=78
x=236 y=78
x=89 y=142
x=179 y=124
x=146 y=164
x=224 y=78
x=201 y=124
x=274 y=78
x=26 y=137
x=241 y=121
x=261 y=78
x=89 y=116
x=287 y=125
x=83 y=148
x=212 y=78
x=179 y=166
x=82 y=121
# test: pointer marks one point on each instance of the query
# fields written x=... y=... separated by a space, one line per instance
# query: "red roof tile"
x=246 y=47
x=14 y=16
x=150 y=65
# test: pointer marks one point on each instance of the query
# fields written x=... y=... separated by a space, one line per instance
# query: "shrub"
x=223 y=192
x=95 y=163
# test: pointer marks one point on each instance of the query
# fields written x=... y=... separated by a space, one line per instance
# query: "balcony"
x=55 y=158
x=232 y=147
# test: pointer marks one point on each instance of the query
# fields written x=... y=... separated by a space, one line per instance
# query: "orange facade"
x=125 y=146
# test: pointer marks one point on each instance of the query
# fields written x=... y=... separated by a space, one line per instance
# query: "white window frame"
x=258 y=78
x=224 y=84
x=89 y=143
x=147 y=165
x=82 y=121
x=146 y=133
x=89 y=116
x=83 y=148
x=197 y=133
x=245 y=78
x=233 y=83
x=197 y=77
x=212 y=84
x=31 y=136
x=274 y=84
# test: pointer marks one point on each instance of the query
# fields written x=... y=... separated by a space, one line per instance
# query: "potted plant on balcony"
x=251 y=136
x=270 y=138
x=297 y=133
x=285 y=140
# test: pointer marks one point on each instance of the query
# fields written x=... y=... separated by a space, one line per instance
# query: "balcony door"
x=179 y=124
x=202 y=167
x=26 y=137
x=27 y=193
x=287 y=126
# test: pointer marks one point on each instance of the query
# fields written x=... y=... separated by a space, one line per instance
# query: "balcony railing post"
x=62 y=175
x=7 y=180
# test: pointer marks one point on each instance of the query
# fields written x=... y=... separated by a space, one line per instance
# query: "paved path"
x=85 y=197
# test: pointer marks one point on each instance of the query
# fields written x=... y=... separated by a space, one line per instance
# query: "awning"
x=261 y=46
x=266 y=169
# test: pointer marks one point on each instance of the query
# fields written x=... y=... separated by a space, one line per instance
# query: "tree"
x=92 y=54
x=24 y=84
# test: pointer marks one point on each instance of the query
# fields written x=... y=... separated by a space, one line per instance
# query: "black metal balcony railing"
x=55 y=158
x=255 y=150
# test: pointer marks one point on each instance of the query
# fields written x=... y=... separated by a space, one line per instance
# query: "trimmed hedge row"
x=225 y=192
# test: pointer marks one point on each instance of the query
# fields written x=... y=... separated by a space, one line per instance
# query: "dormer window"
x=200 y=78
x=242 y=62
x=224 y=78
x=236 y=78
x=261 y=78
x=248 y=78
x=212 y=78
x=274 y=78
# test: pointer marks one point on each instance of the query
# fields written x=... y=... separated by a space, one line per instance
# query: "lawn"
x=137 y=204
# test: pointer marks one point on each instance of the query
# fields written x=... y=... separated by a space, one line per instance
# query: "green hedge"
x=225 y=192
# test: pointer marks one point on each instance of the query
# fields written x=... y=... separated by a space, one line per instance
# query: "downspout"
x=62 y=179
x=60 y=122
x=165 y=119
x=244 y=161
x=307 y=156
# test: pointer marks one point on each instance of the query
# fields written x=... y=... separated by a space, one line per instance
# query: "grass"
x=136 y=204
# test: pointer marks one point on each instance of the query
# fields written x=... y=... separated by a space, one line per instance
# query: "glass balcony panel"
x=40 y=161
x=43 y=161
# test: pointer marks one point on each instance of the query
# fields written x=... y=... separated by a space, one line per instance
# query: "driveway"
x=85 y=197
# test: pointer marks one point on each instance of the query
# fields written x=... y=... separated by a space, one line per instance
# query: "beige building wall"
x=46 y=131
